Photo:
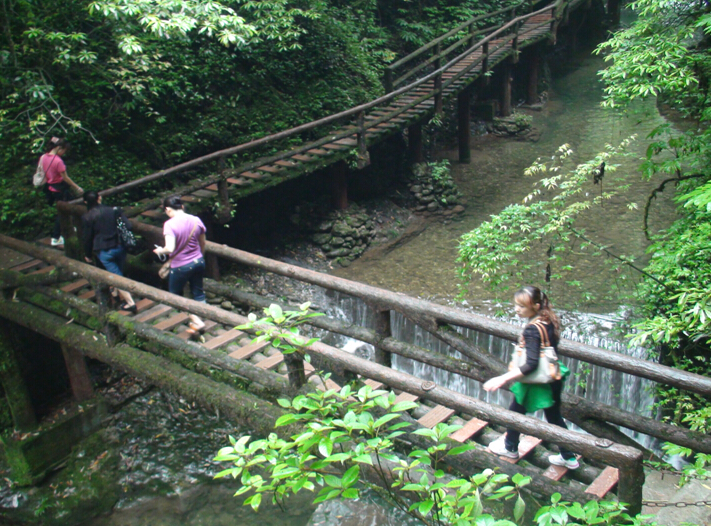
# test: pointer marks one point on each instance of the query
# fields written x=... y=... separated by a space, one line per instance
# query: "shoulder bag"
x=126 y=237
x=40 y=176
x=548 y=369
x=164 y=271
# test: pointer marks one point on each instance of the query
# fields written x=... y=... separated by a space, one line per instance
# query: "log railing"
x=627 y=459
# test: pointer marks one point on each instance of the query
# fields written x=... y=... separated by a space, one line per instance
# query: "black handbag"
x=126 y=237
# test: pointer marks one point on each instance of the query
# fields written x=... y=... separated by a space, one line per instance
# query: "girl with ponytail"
x=531 y=303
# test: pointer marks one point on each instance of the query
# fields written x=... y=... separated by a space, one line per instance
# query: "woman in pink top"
x=185 y=244
x=58 y=183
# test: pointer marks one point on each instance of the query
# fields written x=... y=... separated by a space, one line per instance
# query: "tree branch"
x=659 y=189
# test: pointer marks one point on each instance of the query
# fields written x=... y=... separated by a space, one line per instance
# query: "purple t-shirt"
x=180 y=226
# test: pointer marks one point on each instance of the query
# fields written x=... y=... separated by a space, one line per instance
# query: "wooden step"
x=470 y=429
x=28 y=265
x=172 y=322
x=317 y=151
x=251 y=175
x=374 y=384
x=271 y=362
x=248 y=350
x=152 y=313
x=155 y=213
x=213 y=187
x=45 y=270
x=204 y=193
x=269 y=169
x=406 y=397
x=334 y=146
x=604 y=482
x=232 y=180
x=190 y=199
x=287 y=164
x=88 y=295
x=75 y=286
x=145 y=303
x=437 y=414
x=525 y=446
x=223 y=339
x=554 y=472
x=302 y=158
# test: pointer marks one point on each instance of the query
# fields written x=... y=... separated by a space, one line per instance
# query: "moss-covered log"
x=238 y=406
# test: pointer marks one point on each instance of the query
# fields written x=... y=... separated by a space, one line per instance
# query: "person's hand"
x=78 y=190
x=88 y=260
x=495 y=383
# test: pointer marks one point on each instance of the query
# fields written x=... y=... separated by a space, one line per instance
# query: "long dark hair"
x=91 y=198
x=529 y=296
x=173 y=202
x=56 y=142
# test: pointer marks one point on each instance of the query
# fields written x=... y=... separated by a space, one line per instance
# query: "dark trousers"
x=553 y=416
x=63 y=194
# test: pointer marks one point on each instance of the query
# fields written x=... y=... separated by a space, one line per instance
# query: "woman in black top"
x=101 y=238
x=533 y=304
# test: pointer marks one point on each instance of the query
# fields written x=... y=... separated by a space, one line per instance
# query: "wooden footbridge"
x=47 y=291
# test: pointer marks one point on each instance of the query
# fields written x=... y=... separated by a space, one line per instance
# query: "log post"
x=224 y=214
x=534 y=64
x=414 y=143
x=463 y=107
x=629 y=486
x=339 y=189
x=382 y=331
x=514 y=45
x=212 y=262
x=16 y=392
x=103 y=300
x=295 y=369
x=438 y=79
x=506 y=92
x=388 y=82
x=363 y=155
x=485 y=63
x=79 y=377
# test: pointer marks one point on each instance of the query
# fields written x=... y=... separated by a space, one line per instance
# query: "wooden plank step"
x=317 y=151
x=75 y=286
x=152 y=313
x=248 y=350
x=186 y=334
x=269 y=169
x=554 y=472
x=144 y=304
x=271 y=362
x=288 y=164
x=604 y=482
x=172 y=322
x=213 y=187
x=190 y=199
x=437 y=414
x=525 y=446
x=251 y=175
x=24 y=266
x=45 y=270
x=334 y=146
x=374 y=384
x=223 y=339
x=302 y=158
x=87 y=295
x=406 y=397
x=347 y=142
x=470 y=429
x=232 y=180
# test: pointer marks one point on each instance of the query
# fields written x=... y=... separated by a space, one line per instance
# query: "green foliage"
x=699 y=468
x=526 y=240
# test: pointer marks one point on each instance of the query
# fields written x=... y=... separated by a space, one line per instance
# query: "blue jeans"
x=193 y=272
x=113 y=259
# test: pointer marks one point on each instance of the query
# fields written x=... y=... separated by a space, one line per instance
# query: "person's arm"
x=201 y=242
x=78 y=189
x=533 y=348
x=169 y=245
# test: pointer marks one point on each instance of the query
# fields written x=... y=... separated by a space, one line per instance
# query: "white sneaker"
x=557 y=460
x=58 y=241
x=498 y=447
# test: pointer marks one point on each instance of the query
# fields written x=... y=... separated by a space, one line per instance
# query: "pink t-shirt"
x=180 y=226
x=54 y=168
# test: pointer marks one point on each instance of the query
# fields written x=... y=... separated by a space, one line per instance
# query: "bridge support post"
x=79 y=378
x=295 y=370
x=506 y=91
x=103 y=300
x=382 y=331
x=438 y=79
x=16 y=392
x=414 y=144
x=339 y=189
x=212 y=262
x=534 y=65
x=464 y=100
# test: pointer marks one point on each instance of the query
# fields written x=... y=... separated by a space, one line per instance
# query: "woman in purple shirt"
x=184 y=244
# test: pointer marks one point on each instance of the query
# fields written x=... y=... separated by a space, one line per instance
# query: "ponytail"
x=531 y=296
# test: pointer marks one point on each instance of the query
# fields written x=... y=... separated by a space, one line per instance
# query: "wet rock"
x=432 y=206
x=339 y=252
x=227 y=305
x=324 y=226
x=458 y=209
x=337 y=241
x=322 y=239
